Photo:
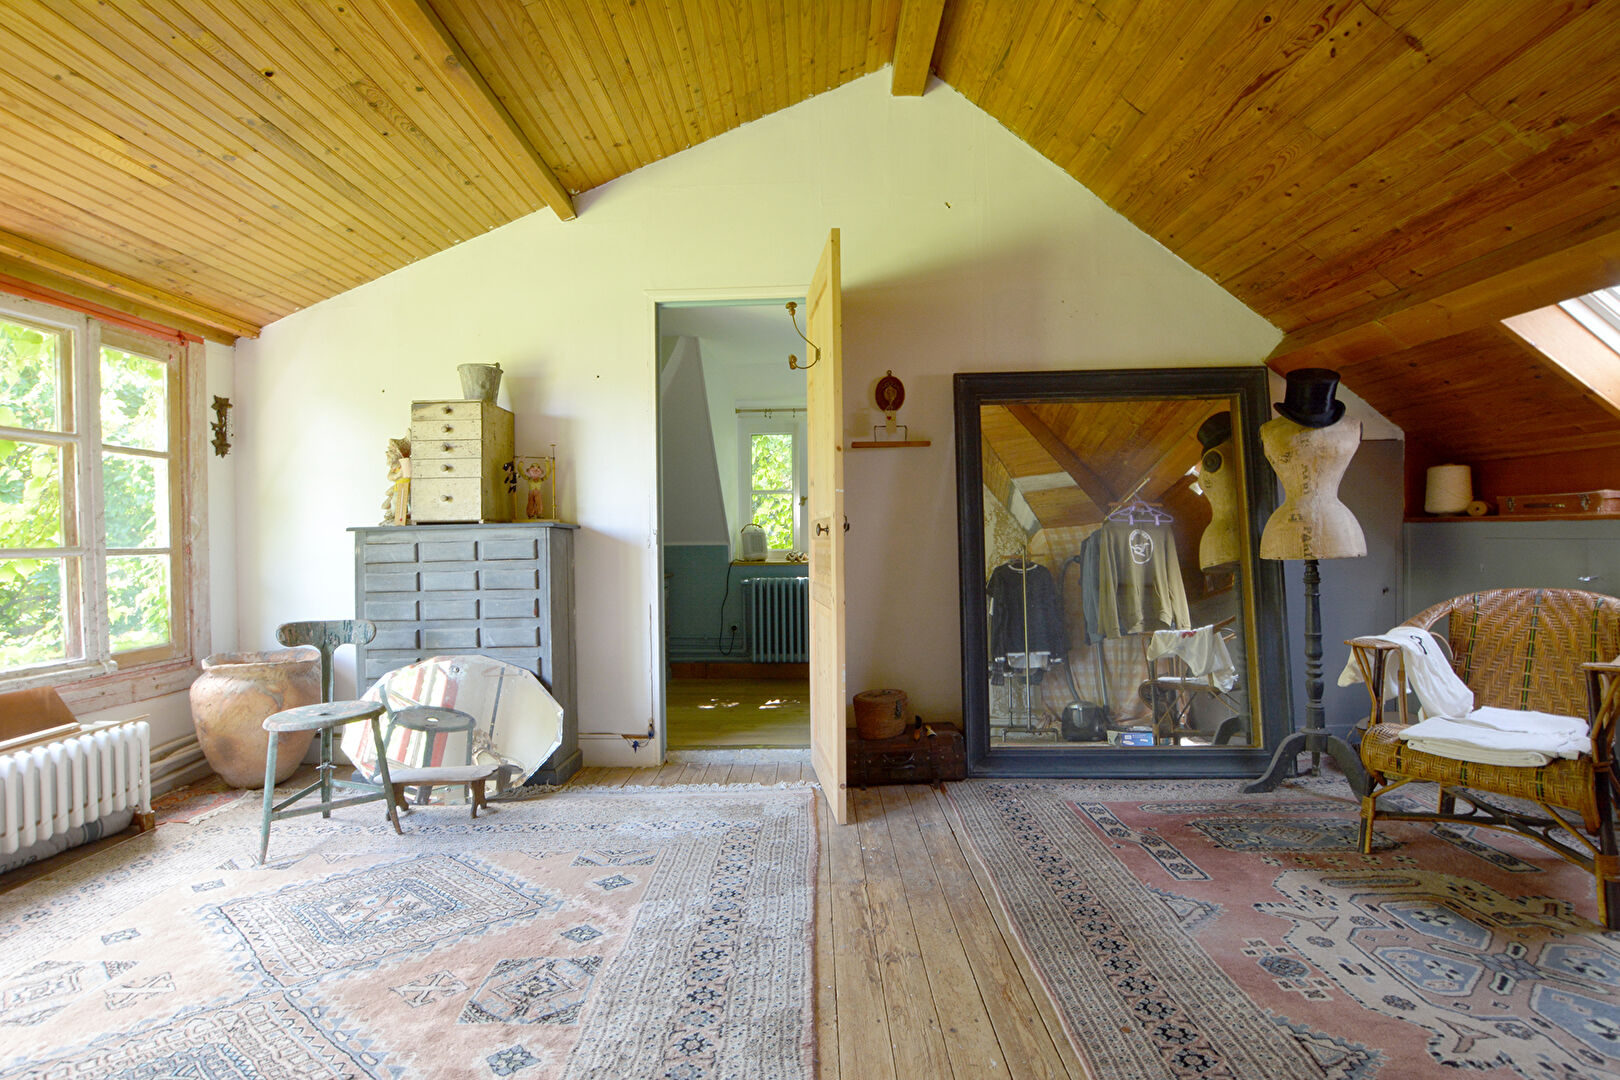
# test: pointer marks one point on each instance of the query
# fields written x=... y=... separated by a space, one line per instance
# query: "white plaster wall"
x=694 y=511
x=963 y=250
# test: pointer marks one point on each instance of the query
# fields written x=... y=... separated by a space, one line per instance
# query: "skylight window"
x=1599 y=312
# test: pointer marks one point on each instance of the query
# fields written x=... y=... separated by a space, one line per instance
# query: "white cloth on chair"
x=1493 y=736
x=1203 y=651
x=1439 y=690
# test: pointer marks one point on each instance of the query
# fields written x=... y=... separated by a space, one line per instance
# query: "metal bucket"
x=479 y=381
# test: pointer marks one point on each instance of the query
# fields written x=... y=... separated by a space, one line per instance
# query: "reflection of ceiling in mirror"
x=1067 y=461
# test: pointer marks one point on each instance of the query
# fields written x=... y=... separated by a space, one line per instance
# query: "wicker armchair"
x=1516 y=649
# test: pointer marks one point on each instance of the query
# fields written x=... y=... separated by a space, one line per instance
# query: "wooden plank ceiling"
x=1370 y=176
x=1070 y=462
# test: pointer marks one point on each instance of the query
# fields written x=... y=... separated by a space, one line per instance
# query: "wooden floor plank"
x=617 y=777
x=826 y=998
x=668 y=774
x=717 y=774
x=1020 y=1009
x=970 y=1037
x=864 y=1048
x=589 y=776
x=914 y=1028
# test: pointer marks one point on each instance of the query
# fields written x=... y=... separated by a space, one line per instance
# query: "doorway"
x=732 y=476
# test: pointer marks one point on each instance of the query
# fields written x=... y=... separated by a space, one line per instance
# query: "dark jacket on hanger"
x=1010 y=630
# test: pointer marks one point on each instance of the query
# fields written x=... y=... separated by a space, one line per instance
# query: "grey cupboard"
x=500 y=590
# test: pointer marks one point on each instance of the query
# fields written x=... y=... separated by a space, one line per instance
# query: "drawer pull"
x=446 y=498
x=448 y=429
x=448 y=448
x=448 y=409
x=448 y=468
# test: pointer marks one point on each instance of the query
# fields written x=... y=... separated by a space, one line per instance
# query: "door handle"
x=821 y=528
x=846 y=523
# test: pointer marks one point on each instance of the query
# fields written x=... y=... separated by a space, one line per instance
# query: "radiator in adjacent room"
x=778 y=619
x=50 y=790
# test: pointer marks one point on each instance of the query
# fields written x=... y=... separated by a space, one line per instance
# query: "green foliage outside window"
x=32 y=623
x=135 y=494
x=770 y=474
x=38 y=591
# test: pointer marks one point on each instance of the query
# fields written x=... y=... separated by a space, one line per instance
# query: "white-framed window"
x=770 y=480
x=97 y=524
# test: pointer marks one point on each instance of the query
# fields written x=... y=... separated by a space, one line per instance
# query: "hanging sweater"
x=1013 y=630
x=1139 y=580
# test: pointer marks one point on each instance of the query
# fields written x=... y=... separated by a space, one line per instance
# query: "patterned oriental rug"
x=580 y=934
x=1185 y=929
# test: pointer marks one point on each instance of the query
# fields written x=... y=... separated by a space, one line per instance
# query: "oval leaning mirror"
x=1117 y=620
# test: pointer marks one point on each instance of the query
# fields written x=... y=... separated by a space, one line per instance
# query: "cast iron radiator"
x=778 y=619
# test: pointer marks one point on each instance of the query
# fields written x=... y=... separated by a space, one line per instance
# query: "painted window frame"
x=1599 y=312
x=98 y=677
x=760 y=420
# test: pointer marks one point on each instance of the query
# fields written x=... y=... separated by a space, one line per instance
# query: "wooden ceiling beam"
x=418 y=19
x=914 y=40
x=41 y=265
x=1096 y=489
x=1578 y=257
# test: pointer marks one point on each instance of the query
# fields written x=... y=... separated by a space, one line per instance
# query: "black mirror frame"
x=1271 y=689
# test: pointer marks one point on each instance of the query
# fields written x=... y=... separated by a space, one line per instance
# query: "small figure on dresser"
x=397 y=503
x=536 y=472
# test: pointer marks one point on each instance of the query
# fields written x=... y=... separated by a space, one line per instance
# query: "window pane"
x=137 y=601
x=30 y=495
x=134 y=401
x=33 y=618
x=772 y=462
x=136 y=493
x=31 y=377
x=774 y=514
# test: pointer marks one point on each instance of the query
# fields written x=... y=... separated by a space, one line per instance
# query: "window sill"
x=772 y=558
x=89 y=689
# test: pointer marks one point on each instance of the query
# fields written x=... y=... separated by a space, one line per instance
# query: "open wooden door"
x=824 y=327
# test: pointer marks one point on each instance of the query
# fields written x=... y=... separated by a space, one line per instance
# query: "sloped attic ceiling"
x=1333 y=165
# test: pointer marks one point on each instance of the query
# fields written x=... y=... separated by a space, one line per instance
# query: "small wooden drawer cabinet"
x=461 y=454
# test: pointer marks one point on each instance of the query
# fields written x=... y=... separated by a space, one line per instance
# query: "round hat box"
x=880 y=714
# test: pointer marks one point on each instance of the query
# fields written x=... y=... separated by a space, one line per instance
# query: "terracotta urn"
x=232 y=697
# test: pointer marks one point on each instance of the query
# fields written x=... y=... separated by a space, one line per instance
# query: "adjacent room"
x=817 y=540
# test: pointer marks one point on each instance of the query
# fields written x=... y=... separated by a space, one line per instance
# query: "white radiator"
x=778 y=619
x=47 y=790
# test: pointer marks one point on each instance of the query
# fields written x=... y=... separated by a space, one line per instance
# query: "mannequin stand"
x=1314 y=735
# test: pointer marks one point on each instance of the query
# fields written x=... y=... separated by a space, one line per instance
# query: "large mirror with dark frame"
x=1117 y=620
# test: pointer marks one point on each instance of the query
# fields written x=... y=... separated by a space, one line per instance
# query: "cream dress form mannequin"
x=1311 y=523
x=1219 y=544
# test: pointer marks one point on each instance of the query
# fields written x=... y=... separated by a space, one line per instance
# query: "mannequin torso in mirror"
x=1218 y=479
x=1311 y=523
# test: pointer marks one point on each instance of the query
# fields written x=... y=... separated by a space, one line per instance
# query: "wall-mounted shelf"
x=1512 y=517
x=884 y=444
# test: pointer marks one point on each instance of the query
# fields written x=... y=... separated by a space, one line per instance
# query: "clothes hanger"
x=1138 y=511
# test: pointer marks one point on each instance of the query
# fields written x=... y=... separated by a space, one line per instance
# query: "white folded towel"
x=1203 y=651
x=1493 y=736
x=1439 y=690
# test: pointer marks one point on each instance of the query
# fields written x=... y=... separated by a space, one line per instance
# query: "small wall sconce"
x=222 y=440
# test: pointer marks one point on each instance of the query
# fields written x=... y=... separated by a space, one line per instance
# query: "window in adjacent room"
x=93 y=570
x=771 y=454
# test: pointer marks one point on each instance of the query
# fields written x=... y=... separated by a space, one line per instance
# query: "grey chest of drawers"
x=461 y=455
x=505 y=591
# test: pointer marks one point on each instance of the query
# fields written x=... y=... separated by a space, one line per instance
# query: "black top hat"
x=1214 y=431
x=1310 y=402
